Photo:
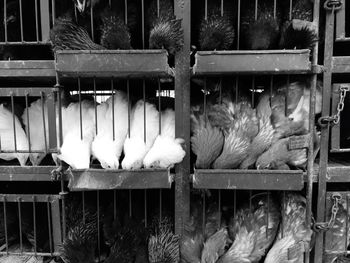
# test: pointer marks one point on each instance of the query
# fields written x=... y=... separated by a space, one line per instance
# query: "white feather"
x=135 y=149
x=7 y=137
x=104 y=148
x=36 y=130
x=76 y=151
x=166 y=150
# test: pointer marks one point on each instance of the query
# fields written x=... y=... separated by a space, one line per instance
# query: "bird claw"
x=57 y=174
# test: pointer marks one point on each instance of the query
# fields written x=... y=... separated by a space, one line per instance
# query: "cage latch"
x=333 y=5
x=325 y=226
x=334 y=120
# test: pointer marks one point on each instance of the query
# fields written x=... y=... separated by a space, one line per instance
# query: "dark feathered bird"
x=82 y=229
x=300 y=32
x=163 y=244
x=67 y=35
x=240 y=125
x=206 y=140
x=191 y=243
x=215 y=246
x=294 y=235
x=165 y=30
x=216 y=31
x=114 y=32
x=261 y=31
x=253 y=230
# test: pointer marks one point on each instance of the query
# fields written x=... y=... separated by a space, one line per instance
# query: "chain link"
x=333 y=5
x=324 y=226
x=335 y=119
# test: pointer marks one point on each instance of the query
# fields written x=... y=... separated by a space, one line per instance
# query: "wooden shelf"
x=253 y=62
x=28 y=173
x=27 y=69
x=249 y=179
x=100 y=179
x=113 y=63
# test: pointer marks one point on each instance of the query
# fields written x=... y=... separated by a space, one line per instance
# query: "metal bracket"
x=333 y=5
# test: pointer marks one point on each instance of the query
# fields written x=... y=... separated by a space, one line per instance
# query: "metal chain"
x=335 y=119
x=333 y=5
x=324 y=226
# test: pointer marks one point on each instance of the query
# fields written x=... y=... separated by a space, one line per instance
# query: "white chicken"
x=166 y=150
x=7 y=137
x=135 y=146
x=104 y=148
x=36 y=130
x=76 y=149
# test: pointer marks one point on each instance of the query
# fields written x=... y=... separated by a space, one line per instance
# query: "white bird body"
x=76 y=150
x=166 y=150
x=135 y=147
x=7 y=142
x=36 y=129
x=104 y=148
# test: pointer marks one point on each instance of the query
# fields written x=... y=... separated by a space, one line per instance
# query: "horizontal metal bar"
x=28 y=173
x=27 y=68
x=33 y=151
x=23 y=91
x=341 y=64
x=335 y=150
x=18 y=43
x=56 y=254
x=29 y=198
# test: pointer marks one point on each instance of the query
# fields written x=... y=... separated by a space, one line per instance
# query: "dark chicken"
x=253 y=230
x=293 y=235
x=165 y=30
x=216 y=29
x=163 y=245
x=239 y=124
x=67 y=35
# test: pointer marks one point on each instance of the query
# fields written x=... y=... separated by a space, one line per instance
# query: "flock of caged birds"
x=269 y=228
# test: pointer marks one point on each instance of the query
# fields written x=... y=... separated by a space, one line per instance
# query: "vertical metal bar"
x=290 y=9
x=205 y=9
x=347 y=223
x=205 y=102
x=143 y=22
x=34 y=225
x=256 y=10
x=5 y=223
x=219 y=208
x=92 y=22
x=130 y=203
x=271 y=86
x=145 y=205
x=203 y=212
x=21 y=19
x=28 y=122
x=114 y=204
x=182 y=118
x=53 y=15
x=45 y=19
x=144 y=110
x=20 y=223
x=43 y=106
x=274 y=8
x=253 y=91
x=95 y=106
x=13 y=121
x=5 y=19
x=283 y=213
x=220 y=91
x=268 y=215
x=158 y=8
x=160 y=108
x=160 y=204
x=129 y=105
x=80 y=111
x=236 y=89
x=250 y=200
x=238 y=23
x=36 y=21
x=49 y=223
x=126 y=11
x=54 y=120
x=83 y=199
x=222 y=8
x=113 y=120
x=98 y=225
x=56 y=229
x=234 y=202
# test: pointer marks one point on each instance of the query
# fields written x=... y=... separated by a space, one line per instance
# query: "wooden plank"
x=100 y=179
x=248 y=179
x=182 y=110
x=27 y=68
x=340 y=64
x=28 y=173
x=112 y=63
x=248 y=62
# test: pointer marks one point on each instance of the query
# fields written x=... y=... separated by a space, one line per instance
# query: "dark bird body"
x=216 y=30
x=165 y=30
x=253 y=230
x=293 y=235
